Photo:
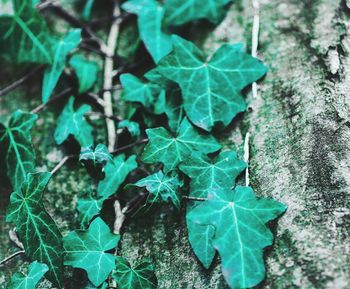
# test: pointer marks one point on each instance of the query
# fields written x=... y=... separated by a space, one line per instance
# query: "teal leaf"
x=132 y=127
x=36 y=271
x=116 y=172
x=140 y=276
x=16 y=143
x=91 y=286
x=241 y=233
x=150 y=17
x=179 y=12
x=209 y=86
x=86 y=71
x=88 y=207
x=59 y=51
x=87 y=250
x=24 y=35
x=95 y=159
x=207 y=174
x=172 y=149
x=162 y=188
x=37 y=231
x=134 y=90
x=72 y=122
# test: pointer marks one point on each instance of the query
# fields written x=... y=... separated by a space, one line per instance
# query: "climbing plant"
x=155 y=88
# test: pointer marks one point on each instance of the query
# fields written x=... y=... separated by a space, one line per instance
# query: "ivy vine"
x=174 y=102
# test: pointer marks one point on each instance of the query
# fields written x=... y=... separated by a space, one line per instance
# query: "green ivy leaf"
x=162 y=187
x=209 y=86
x=95 y=160
x=16 y=141
x=87 y=250
x=38 y=232
x=24 y=35
x=139 y=277
x=150 y=17
x=135 y=90
x=207 y=174
x=88 y=207
x=36 y=271
x=59 y=51
x=72 y=122
x=171 y=150
x=241 y=235
x=179 y=12
x=116 y=172
x=86 y=71
x=132 y=126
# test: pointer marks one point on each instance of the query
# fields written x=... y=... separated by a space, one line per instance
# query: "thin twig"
x=99 y=114
x=20 y=81
x=119 y=217
x=2 y=262
x=255 y=39
x=52 y=100
x=246 y=157
x=61 y=163
x=108 y=78
x=118 y=150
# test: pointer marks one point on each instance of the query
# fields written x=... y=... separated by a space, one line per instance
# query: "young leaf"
x=86 y=71
x=241 y=235
x=179 y=12
x=206 y=175
x=150 y=16
x=116 y=172
x=59 y=51
x=16 y=143
x=88 y=208
x=209 y=86
x=24 y=35
x=87 y=250
x=35 y=272
x=139 y=277
x=162 y=187
x=135 y=90
x=38 y=232
x=72 y=122
x=171 y=150
x=132 y=126
x=95 y=160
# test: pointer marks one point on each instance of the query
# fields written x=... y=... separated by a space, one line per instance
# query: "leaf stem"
x=2 y=262
x=61 y=163
x=246 y=157
x=194 y=199
x=118 y=150
x=20 y=81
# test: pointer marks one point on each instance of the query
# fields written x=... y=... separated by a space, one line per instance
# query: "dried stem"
x=246 y=157
x=14 y=238
x=20 y=81
x=119 y=217
x=118 y=150
x=61 y=163
x=194 y=199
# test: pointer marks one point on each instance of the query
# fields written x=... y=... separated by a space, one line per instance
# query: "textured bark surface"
x=299 y=147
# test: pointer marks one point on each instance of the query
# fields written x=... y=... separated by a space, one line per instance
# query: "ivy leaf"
x=241 y=235
x=88 y=207
x=16 y=141
x=87 y=250
x=132 y=126
x=171 y=150
x=179 y=12
x=91 y=286
x=35 y=272
x=207 y=174
x=59 y=51
x=150 y=17
x=24 y=35
x=72 y=122
x=116 y=172
x=162 y=187
x=95 y=160
x=38 y=232
x=86 y=71
x=209 y=86
x=139 y=277
x=135 y=90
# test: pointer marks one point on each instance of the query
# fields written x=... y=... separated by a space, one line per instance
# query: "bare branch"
x=2 y=262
